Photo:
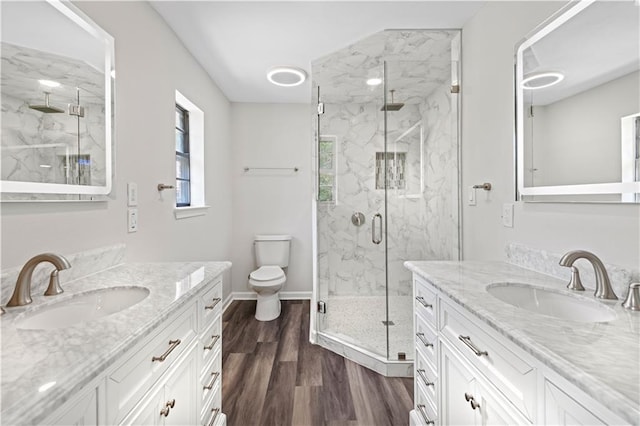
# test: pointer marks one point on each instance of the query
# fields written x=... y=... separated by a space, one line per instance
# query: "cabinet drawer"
x=504 y=367
x=425 y=302
x=211 y=414
x=211 y=341
x=135 y=375
x=426 y=376
x=426 y=340
x=210 y=304
x=425 y=409
x=211 y=377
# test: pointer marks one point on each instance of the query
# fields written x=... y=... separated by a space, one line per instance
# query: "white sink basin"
x=552 y=303
x=82 y=307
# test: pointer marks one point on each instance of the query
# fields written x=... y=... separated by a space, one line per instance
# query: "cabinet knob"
x=470 y=399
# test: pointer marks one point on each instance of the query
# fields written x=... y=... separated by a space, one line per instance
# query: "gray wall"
x=611 y=231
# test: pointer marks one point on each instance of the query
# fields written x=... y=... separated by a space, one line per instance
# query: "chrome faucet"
x=603 y=285
x=22 y=292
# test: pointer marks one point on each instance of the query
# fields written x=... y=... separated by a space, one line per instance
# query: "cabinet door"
x=180 y=391
x=457 y=382
x=82 y=410
x=496 y=410
x=561 y=409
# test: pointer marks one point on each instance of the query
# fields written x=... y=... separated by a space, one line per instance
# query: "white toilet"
x=272 y=254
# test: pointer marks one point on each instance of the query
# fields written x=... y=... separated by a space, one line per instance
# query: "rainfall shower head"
x=46 y=108
x=392 y=106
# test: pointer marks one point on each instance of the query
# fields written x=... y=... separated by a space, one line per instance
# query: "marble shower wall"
x=422 y=217
x=36 y=145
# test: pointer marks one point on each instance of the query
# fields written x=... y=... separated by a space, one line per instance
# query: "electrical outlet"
x=132 y=194
x=132 y=220
x=507 y=215
x=471 y=198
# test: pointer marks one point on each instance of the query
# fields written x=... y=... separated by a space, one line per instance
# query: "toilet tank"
x=272 y=250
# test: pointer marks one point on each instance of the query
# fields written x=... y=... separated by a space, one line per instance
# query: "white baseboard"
x=251 y=295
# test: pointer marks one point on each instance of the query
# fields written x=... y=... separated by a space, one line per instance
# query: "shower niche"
x=393 y=159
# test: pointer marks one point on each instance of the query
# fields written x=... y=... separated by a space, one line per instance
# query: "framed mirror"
x=57 y=90
x=577 y=86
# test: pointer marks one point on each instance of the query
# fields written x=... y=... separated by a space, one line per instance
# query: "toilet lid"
x=267 y=273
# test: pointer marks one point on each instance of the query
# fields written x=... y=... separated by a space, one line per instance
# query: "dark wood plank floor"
x=274 y=376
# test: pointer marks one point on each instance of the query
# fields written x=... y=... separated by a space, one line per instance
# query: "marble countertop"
x=41 y=369
x=602 y=359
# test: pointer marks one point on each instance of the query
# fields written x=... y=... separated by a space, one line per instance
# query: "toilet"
x=272 y=254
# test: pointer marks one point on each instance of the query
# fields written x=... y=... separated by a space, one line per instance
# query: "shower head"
x=392 y=106
x=46 y=108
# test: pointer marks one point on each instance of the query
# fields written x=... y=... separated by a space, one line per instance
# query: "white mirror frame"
x=81 y=19
x=629 y=188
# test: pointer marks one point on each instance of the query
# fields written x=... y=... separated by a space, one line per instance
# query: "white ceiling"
x=238 y=41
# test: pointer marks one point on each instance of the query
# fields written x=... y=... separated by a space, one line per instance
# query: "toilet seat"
x=267 y=273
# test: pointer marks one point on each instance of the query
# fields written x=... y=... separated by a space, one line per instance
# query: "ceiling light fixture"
x=541 y=80
x=374 y=81
x=49 y=83
x=286 y=76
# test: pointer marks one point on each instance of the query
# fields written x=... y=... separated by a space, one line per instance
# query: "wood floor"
x=274 y=376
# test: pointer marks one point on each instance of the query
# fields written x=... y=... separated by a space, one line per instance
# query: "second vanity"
x=480 y=360
x=156 y=362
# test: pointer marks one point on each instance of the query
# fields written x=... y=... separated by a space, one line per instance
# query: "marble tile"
x=601 y=359
x=548 y=263
x=71 y=357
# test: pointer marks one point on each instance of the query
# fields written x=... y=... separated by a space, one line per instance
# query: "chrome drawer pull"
x=167 y=407
x=215 y=302
x=467 y=341
x=423 y=302
x=212 y=344
x=172 y=345
x=213 y=382
x=471 y=400
x=215 y=412
x=424 y=377
x=421 y=409
x=423 y=340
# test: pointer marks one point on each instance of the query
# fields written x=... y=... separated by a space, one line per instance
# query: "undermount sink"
x=552 y=303
x=82 y=307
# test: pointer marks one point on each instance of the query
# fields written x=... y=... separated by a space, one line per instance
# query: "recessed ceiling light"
x=286 y=76
x=49 y=83
x=541 y=80
x=374 y=81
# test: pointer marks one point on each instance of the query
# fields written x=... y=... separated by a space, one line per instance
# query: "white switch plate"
x=507 y=215
x=132 y=220
x=471 y=198
x=132 y=194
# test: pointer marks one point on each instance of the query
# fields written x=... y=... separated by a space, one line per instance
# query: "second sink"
x=545 y=301
x=82 y=307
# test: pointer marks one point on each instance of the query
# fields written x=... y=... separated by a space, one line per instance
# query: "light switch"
x=471 y=198
x=132 y=194
x=132 y=220
x=507 y=215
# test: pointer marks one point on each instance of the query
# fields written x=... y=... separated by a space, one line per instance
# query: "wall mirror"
x=578 y=106
x=57 y=103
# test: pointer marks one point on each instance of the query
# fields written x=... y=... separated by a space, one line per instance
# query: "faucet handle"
x=575 y=283
x=632 y=302
x=54 y=285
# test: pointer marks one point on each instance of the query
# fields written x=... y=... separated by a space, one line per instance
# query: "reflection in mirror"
x=577 y=88
x=57 y=106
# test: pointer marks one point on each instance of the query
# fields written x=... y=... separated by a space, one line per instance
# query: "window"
x=183 y=162
x=326 y=169
x=189 y=159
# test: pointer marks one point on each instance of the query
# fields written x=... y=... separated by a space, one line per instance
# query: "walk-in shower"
x=386 y=168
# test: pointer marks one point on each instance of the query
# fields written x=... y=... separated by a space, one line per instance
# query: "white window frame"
x=198 y=205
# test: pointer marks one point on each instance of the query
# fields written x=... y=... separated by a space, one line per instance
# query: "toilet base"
x=268 y=307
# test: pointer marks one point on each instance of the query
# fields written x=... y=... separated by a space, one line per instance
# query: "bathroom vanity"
x=156 y=362
x=480 y=360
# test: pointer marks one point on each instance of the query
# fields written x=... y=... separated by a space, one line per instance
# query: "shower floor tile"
x=359 y=321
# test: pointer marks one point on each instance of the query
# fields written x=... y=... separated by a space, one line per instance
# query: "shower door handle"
x=373 y=228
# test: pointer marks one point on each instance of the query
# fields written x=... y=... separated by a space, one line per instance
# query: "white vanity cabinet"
x=171 y=377
x=465 y=372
